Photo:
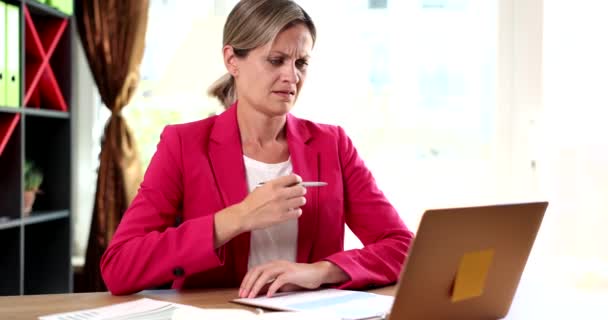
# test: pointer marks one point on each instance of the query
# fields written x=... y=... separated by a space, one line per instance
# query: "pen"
x=306 y=184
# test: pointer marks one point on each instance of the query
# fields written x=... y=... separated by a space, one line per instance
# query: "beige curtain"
x=112 y=33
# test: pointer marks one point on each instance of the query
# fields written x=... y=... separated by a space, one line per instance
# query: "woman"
x=234 y=182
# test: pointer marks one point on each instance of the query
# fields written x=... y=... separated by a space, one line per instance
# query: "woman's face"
x=270 y=78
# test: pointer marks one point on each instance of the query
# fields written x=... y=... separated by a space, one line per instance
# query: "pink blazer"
x=198 y=170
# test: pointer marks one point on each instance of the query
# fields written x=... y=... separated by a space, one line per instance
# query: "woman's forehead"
x=293 y=40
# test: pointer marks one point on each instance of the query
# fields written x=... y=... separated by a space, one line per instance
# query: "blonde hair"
x=251 y=24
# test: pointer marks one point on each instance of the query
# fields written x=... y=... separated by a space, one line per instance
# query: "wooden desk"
x=33 y=306
x=532 y=301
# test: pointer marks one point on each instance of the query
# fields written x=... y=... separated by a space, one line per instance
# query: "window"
x=416 y=78
x=572 y=148
x=417 y=83
x=181 y=60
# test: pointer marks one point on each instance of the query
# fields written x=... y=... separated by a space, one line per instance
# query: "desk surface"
x=33 y=306
x=532 y=301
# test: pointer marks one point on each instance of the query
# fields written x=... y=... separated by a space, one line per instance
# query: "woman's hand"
x=273 y=202
x=289 y=276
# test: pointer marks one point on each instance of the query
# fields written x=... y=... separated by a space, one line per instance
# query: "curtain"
x=112 y=33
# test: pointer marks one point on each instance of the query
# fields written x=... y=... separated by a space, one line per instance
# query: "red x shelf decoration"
x=41 y=38
x=8 y=123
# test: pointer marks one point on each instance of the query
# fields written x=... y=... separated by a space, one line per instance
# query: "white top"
x=277 y=242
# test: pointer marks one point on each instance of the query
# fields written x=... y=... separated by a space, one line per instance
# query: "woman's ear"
x=230 y=60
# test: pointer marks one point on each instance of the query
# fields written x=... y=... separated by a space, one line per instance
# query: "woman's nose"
x=291 y=74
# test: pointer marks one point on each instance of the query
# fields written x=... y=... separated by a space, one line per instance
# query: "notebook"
x=340 y=304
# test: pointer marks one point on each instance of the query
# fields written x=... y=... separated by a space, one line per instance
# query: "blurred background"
x=449 y=102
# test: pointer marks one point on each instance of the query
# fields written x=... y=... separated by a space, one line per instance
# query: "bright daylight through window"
x=441 y=97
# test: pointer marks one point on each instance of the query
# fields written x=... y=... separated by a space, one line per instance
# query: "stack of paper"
x=329 y=304
x=145 y=308
x=150 y=309
x=343 y=304
x=192 y=313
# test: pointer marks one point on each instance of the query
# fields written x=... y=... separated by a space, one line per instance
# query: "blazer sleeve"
x=374 y=221
x=147 y=250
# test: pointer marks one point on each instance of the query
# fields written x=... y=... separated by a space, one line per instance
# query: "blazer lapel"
x=226 y=162
x=305 y=162
x=226 y=157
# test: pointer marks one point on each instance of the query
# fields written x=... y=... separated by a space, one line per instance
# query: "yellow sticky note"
x=472 y=272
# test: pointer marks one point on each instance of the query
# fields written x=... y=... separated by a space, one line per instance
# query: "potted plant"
x=32 y=180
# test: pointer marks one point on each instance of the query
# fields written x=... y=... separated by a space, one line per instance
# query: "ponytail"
x=224 y=90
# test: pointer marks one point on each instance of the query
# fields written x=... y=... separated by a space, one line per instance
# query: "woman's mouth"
x=285 y=94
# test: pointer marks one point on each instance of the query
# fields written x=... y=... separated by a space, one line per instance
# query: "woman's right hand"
x=273 y=202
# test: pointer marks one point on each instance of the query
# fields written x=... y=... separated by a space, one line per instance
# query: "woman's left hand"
x=288 y=276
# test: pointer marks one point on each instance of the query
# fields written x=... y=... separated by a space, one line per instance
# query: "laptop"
x=466 y=263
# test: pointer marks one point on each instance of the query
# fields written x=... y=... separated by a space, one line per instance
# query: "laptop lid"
x=467 y=262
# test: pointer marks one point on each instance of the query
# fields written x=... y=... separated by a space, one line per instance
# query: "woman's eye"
x=275 y=62
x=301 y=64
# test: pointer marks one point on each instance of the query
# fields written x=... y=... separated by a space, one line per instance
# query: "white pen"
x=306 y=184
x=313 y=183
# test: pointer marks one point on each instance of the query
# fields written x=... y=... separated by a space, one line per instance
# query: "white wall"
x=519 y=94
x=84 y=160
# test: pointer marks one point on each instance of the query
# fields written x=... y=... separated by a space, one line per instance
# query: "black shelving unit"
x=47 y=258
x=36 y=254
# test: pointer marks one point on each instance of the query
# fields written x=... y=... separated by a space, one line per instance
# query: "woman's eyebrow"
x=285 y=55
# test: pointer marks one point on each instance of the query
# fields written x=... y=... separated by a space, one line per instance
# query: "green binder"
x=2 y=54
x=65 y=6
x=13 y=57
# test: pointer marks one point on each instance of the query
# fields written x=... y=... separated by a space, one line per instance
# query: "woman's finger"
x=279 y=282
x=286 y=181
x=294 y=203
x=264 y=279
x=249 y=280
x=293 y=192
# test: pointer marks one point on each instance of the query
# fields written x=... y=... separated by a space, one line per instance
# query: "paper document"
x=149 y=309
x=145 y=308
x=192 y=313
x=344 y=304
